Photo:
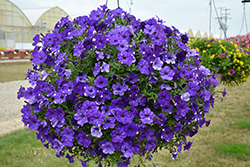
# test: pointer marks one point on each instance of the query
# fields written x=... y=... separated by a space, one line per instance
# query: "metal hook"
x=118 y=4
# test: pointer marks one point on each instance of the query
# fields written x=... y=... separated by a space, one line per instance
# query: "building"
x=18 y=27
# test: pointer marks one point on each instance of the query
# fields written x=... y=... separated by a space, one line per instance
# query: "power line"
x=244 y=18
x=204 y=17
x=222 y=26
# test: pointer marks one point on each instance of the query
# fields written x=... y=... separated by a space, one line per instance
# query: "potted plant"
x=22 y=54
x=10 y=54
x=108 y=86
x=224 y=58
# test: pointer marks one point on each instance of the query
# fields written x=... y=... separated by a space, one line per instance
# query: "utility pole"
x=210 y=4
x=224 y=16
x=244 y=15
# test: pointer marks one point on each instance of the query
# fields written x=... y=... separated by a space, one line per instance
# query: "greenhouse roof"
x=34 y=14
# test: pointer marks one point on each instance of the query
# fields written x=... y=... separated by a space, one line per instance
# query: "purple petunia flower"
x=123 y=116
x=78 y=48
x=97 y=68
x=182 y=109
x=152 y=79
x=108 y=148
x=39 y=58
x=167 y=134
x=70 y=158
x=60 y=97
x=134 y=90
x=167 y=73
x=174 y=155
x=131 y=129
x=187 y=146
x=96 y=131
x=164 y=86
x=20 y=92
x=83 y=139
x=115 y=39
x=164 y=98
x=147 y=116
x=118 y=135
x=99 y=55
x=101 y=82
x=157 y=63
x=127 y=150
x=56 y=144
x=34 y=123
x=151 y=144
x=143 y=66
x=204 y=71
x=67 y=137
x=132 y=78
x=126 y=58
x=122 y=46
x=81 y=117
x=169 y=58
x=105 y=67
x=96 y=117
x=185 y=96
x=109 y=123
x=90 y=91
x=119 y=89
x=36 y=40
x=100 y=41
x=177 y=127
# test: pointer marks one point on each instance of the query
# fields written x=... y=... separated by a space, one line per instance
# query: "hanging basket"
x=109 y=86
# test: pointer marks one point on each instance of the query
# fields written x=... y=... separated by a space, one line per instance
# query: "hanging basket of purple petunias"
x=108 y=86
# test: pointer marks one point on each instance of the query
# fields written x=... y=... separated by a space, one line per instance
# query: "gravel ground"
x=10 y=106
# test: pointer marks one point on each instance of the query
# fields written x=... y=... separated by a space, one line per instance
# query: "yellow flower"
x=239 y=68
x=219 y=41
x=212 y=56
x=204 y=51
x=198 y=49
x=208 y=45
x=241 y=63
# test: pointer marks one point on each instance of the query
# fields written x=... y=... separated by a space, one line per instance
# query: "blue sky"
x=183 y=14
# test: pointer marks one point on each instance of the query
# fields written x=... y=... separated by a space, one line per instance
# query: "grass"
x=224 y=143
x=14 y=72
x=240 y=151
x=243 y=124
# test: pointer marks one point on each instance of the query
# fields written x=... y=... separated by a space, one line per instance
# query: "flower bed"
x=108 y=87
x=223 y=57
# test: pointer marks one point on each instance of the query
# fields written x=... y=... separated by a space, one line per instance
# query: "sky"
x=182 y=14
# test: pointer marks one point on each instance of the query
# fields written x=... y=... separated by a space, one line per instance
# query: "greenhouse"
x=18 y=27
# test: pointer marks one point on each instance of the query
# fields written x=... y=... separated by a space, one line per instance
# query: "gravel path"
x=10 y=106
